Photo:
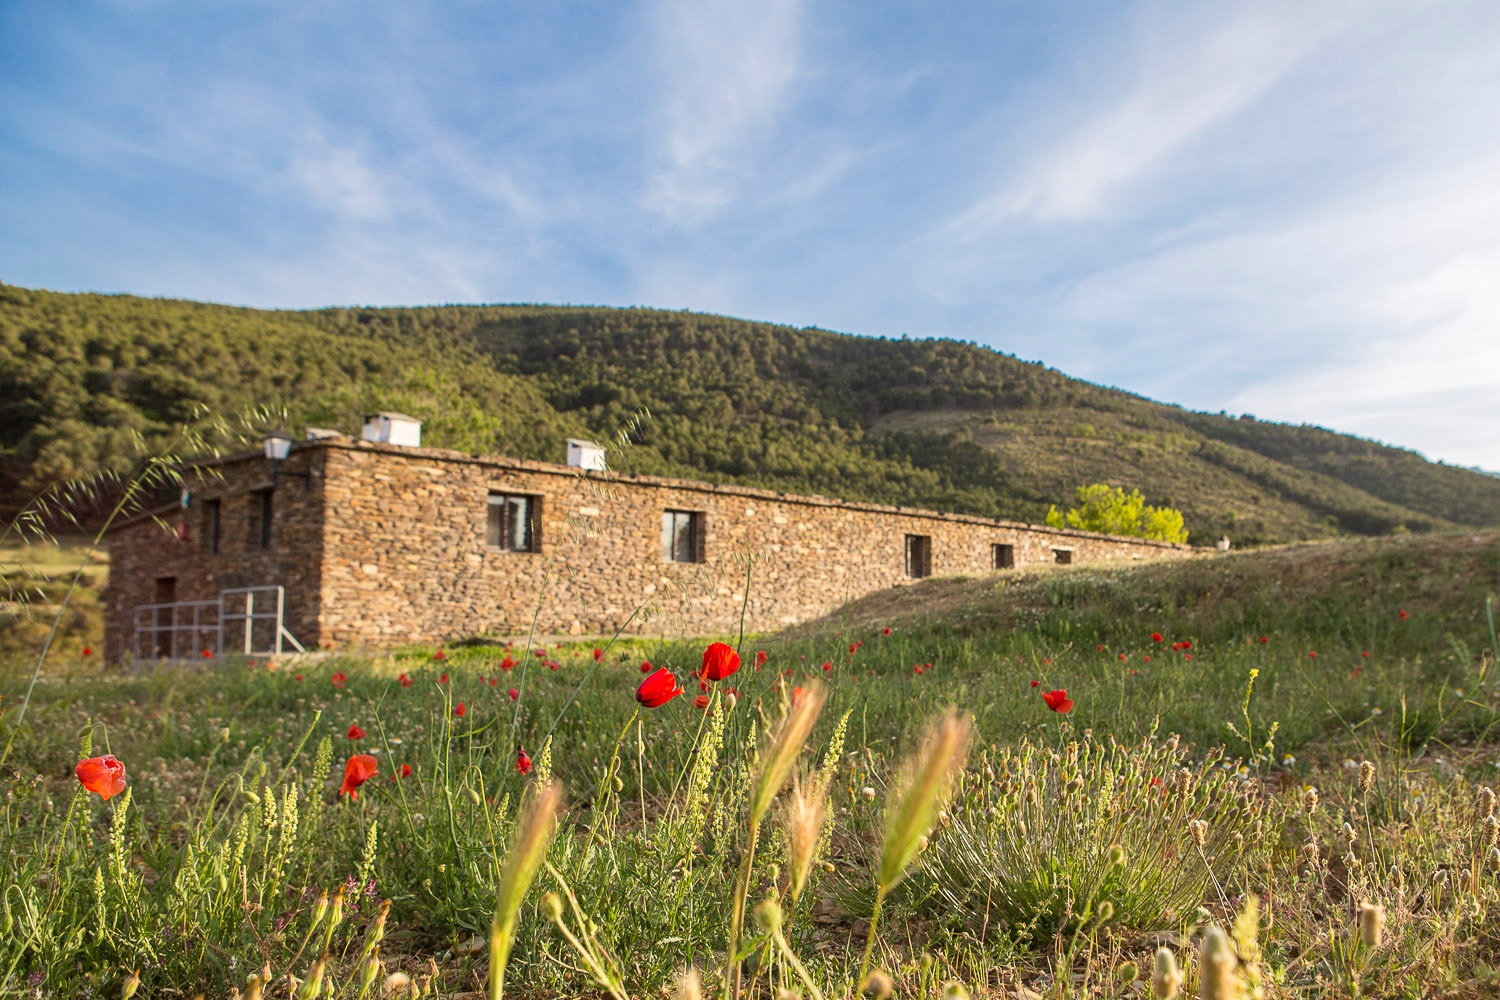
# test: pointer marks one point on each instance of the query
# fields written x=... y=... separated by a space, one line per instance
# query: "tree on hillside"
x=1109 y=509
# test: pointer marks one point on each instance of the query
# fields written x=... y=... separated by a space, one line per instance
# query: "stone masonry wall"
x=406 y=560
x=144 y=553
x=380 y=546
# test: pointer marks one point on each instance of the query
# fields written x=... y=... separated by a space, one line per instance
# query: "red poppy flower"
x=104 y=776
x=1046 y=662
x=494 y=682
x=658 y=689
x=1036 y=683
x=87 y=651
x=760 y=657
x=1312 y=654
x=1186 y=644
x=298 y=677
x=646 y=667
x=701 y=701
x=406 y=680
x=1058 y=701
x=339 y=679
x=1156 y=637
x=553 y=664
x=440 y=655
x=1146 y=658
x=598 y=655
x=539 y=653
x=1264 y=639
x=1123 y=657
x=828 y=665
x=916 y=668
x=1403 y=614
x=359 y=769
x=853 y=646
x=459 y=710
x=507 y=663
x=703 y=685
x=1099 y=648
x=208 y=654
x=1365 y=654
x=1155 y=783
x=406 y=770
x=514 y=694
x=1357 y=668
x=523 y=761
x=356 y=733
x=1187 y=656
x=796 y=695
x=926 y=667
x=719 y=661
x=886 y=630
x=443 y=679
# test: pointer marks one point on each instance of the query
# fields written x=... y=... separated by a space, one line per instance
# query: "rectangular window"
x=682 y=536
x=260 y=519
x=511 y=525
x=918 y=555
x=1003 y=556
x=212 y=526
x=1063 y=557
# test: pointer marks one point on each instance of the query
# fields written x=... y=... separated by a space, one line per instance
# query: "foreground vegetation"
x=91 y=382
x=1276 y=745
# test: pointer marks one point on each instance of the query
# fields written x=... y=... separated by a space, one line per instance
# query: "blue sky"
x=1285 y=209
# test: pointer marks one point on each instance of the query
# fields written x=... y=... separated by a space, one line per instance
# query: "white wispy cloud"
x=725 y=71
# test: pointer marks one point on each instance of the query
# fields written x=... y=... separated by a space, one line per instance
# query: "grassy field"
x=1276 y=745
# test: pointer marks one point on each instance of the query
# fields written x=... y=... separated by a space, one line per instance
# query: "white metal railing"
x=180 y=630
x=176 y=630
x=245 y=597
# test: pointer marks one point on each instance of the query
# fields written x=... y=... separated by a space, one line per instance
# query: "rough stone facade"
x=379 y=545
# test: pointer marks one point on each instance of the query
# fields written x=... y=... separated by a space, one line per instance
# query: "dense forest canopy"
x=87 y=380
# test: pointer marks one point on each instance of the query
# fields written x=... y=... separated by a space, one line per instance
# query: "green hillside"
x=932 y=423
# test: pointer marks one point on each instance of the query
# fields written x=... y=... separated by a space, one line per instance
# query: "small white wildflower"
x=1288 y=760
x=1350 y=763
x=1376 y=711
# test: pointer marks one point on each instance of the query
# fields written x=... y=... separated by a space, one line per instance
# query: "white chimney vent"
x=393 y=428
x=585 y=455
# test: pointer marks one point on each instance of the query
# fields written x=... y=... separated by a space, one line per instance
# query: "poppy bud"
x=1129 y=972
x=552 y=906
x=131 y=985
x=768 y=914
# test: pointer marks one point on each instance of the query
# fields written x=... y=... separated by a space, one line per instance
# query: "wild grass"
x=797 y=837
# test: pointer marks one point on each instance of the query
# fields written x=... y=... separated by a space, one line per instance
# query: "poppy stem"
x=737 y=923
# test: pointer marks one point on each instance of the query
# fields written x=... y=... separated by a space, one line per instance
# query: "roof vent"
x=585 y=455
x=393 y=428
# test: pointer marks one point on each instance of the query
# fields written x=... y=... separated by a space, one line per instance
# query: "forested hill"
x=930 y=423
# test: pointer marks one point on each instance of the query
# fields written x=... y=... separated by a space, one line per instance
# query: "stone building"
x=377 y=543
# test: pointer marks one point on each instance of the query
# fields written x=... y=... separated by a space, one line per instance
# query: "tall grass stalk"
x=527 y=852
x=775 y=768
x=911 y=814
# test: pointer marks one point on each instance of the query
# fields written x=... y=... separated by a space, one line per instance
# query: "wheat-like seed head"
x=912 y=811
x=785 y=747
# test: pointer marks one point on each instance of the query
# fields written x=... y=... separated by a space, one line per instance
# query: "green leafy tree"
x=1109 y=509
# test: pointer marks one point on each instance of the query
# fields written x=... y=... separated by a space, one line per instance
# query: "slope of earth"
x=88 y=382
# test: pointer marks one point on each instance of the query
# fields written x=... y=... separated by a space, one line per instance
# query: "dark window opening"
x=162 y=619
x=1063 y=557
x=260 y=526
x=1003 y=556
x=212 y=526
x=918 y=555
x=682 y=536
x=512 y=523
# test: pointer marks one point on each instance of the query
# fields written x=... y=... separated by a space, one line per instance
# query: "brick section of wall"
x=384 y=546
x=143 y=552
x=407 y=560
